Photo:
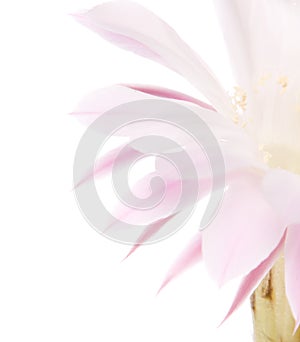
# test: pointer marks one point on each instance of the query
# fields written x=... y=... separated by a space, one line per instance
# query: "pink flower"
x=258 y=129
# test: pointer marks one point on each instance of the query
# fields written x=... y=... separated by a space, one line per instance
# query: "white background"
x=60 y=280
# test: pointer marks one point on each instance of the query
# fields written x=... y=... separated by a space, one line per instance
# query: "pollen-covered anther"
x=266 y=155
x=239 y=103
x=283 y=81
x=262 y=82
x=236 y=119
x=263 y=79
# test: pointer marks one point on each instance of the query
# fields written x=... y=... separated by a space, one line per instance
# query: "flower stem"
x=272 y=317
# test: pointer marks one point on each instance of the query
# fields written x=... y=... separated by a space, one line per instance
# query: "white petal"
x=244 y=232
x=134 y=28
x=282 y=190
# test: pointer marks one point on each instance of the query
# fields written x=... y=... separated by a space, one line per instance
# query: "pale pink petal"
x=178 y=199
x=282 y=190
x=231 y=138
x=148 y=233
x=189 y=256
x=167 y=93
x=232 y=15
x=104 y=164
x=237 y=149
x=250 y=282
x=132 y=27
x=292 y=274
x=244 y=232
x=177 y=196
x=102 y=100
x=270 y=26
x=258 y=36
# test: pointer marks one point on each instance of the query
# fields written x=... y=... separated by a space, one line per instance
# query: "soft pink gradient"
x=251 y=281
x=260 y=212
x=188 y=257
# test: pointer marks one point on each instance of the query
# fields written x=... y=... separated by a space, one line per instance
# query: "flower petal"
x=167 y=93
x=102 y=100
x=282 y=190
x=148 y=233
x=232 y=14
x=104 y=165
x=174 y=197
x=258 y=37
x=132 y=27
x=251 y=280
x=98 y=102
x=189 y=256
x=230 y=136
x=243 y=233
x=292 y=275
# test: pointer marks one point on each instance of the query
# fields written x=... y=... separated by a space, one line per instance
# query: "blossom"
x=257 y=129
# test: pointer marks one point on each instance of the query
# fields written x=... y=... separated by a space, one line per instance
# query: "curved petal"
x=167 y=93
x=177 y=196
x=147 y=213
x=258 y=36
x=105 y=164
x=238 y=150
x=243 y=233
x=250 y=282
x=102 y=100
x=282 y=190
x=292 y=275
x=189 y=256
x=232 y=15
x=148 y=233
x=132 y=27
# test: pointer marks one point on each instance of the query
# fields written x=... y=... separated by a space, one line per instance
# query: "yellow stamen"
x=266 y=154
x=240 y=98
x=263 y=79
x=283 y=81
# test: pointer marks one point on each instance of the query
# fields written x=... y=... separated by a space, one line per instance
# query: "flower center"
x=278 y=156
x=270 y=113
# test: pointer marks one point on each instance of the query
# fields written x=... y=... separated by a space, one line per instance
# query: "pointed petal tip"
x=158 y=292
x=72 y=113
x=253 y=278
x=163 y=285
x=222 y=322
x=297 y=324
x=132 y=250
x=77 y=15
x=145 y=34
x=228 y=253
x=125 y=258
x=221 y=282
x=189 y=256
